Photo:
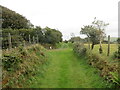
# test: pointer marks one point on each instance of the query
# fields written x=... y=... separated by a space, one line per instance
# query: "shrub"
x=106 y=69
x=20 y=64
x=116 y=78
x=117 y=53
x=10 y=62
x=80 y=49
x=22 y=51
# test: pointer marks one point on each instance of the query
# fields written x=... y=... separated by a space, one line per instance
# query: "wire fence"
x=13 y=40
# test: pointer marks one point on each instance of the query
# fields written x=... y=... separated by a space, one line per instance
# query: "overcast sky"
x=68 y=16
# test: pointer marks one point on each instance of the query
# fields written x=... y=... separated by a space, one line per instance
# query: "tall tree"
x=52 y=36
x=92 y=33
x=75 y=39
x=100 y=25
x=11 y=19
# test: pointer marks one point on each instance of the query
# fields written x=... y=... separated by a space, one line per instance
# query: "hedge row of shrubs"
x=20 y=64
x=107 y=70
x=79 y=49
x=117 y=53
x=64 y=45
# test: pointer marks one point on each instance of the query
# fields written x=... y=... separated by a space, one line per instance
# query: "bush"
x=117 y=53
x=106 y=69
x=20 y=64
x=10 y=62
x=80 y=49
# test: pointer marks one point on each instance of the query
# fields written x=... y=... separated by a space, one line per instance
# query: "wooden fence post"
x=29 y=39
x=37 y=39
x=9 y=41
x=108 y=45
x=33 y=40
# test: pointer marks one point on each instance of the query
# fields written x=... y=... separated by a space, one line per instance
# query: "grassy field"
x=66 y=70
x=113 y=48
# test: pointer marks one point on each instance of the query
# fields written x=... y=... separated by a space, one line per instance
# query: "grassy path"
x=68 y=71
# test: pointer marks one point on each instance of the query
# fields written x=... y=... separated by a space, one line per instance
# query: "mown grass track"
x=66 y=70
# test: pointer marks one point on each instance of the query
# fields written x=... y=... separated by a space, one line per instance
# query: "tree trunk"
x=92 y=46
x=33 y=40
x=88 y=43
x=100 y=49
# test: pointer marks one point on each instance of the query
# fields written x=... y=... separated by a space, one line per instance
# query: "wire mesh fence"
x=13 y=40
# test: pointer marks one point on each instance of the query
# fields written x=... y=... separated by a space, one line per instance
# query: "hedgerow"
x=79 y=49
x=108 y=71
x=117 y=53
x=22 y=63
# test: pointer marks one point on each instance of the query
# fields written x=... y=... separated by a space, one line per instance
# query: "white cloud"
x=67 y=15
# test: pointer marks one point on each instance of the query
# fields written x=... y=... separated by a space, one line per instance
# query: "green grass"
x=113 y=48
x=64 y=45
x=66 y=70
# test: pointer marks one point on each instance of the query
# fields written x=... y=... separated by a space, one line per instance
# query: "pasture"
x=113 y=49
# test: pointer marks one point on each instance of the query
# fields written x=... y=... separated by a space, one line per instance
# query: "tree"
x=52 y=36
x=38 y=31
x=118 y=40
x=16 y=39
x=92 y=34
x=100 y=25
x=75 y=39
x=11 y=19
x=72 y=35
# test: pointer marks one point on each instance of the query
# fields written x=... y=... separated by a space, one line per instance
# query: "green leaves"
x=92 y=33
x=10 y=63
x=117 y=53
x=115 y=78
x=13 y=20
x=21 y=64
x=52 y=36
x=79 y=49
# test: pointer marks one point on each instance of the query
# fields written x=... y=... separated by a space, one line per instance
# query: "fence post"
x=37 y=39
x=33 y=40
x=29 y=39
x=108 y=45
x=9 y=41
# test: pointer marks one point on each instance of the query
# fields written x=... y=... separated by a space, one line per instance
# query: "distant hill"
x=112 y=39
